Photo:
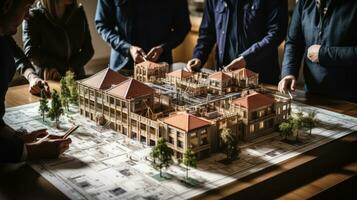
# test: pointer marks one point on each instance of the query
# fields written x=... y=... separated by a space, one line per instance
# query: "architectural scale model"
x=188 y=109
x=104 y=164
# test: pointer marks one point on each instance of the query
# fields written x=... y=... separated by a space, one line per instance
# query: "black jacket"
x=335 y=75
x=10 y=146
x=62 y=44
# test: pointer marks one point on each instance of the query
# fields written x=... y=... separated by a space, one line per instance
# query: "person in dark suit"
x=247 y=34
x=142 y=29
x=322 y=34
x=13 y=147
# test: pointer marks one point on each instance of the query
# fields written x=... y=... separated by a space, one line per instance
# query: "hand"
x=33 y=136
x=154 y=53
x=313 y=53
x=36 y=85
x=193 y=65
x=51 y=74
x=286 y=84
x=137 y=54
x=47 y=149
x=237 y=63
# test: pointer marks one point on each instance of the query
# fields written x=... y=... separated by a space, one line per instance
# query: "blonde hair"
x=50 y=5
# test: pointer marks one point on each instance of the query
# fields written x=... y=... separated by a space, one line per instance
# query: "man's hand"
x=286 y=84
x=313 y=53
x=51 y=74
x=193 y=65
x=36 y=85
x=137 y=54
x=155 y=53
x=237 y=63
x=47 y=149
x=34 y=136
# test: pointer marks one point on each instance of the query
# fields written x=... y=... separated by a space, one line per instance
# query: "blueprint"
x=104 y=164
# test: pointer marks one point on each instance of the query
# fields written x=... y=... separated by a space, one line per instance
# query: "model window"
x=251 y=128
x=261 y=125
x=171 y=140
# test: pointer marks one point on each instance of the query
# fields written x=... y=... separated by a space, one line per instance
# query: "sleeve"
x=294 y=46
x=207 y=34
x=21 y=61
x=338 y=56
x=32 y=41
x=78 y=61
x=277 y=17
x=106 y=26
x=11 y=147
x=181 y=25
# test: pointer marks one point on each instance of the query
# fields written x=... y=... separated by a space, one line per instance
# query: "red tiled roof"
x=220 y=76
x=246 y=73
x=130 y=89
x=180 y=74
x=254 y=100
x=104 y=79
x=185 y=121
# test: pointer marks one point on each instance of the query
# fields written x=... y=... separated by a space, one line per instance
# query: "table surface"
x=325 y=171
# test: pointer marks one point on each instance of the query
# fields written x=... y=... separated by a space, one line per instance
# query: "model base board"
x=104 y=164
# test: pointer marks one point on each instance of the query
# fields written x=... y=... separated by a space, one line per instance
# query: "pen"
x=291 y=96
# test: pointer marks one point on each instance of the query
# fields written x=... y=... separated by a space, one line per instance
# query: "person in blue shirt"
x=322 y=34
x=246 y=34
x=139 y=30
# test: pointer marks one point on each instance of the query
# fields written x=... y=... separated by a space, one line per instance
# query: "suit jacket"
x=167 y=21
x=260 y=25
x=335 y=74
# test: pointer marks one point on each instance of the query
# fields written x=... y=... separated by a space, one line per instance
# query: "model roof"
x=104 y=79
x=185 y=121
x=152 y=65
x=180 y=74
x=130 y=89
x=254 y=100
x=245 y=73
x=220 y=76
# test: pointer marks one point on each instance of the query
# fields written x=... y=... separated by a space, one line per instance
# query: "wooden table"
x=329 y=171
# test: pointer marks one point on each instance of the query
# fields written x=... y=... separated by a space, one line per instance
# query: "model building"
x=188 y=109
x=150 y=72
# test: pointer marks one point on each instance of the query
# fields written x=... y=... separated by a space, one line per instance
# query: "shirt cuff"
x=28 y=73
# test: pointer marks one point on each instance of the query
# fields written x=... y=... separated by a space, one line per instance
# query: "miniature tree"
x=74 y=95
x=56 y=109
x=72 y=85
x=43 y=105
x=70 y=79
x=65 y=94
x=161 y=155
x=310 y=121
x=189 y=160
x=297 y=123
x=286 y=128
x=229 y=144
